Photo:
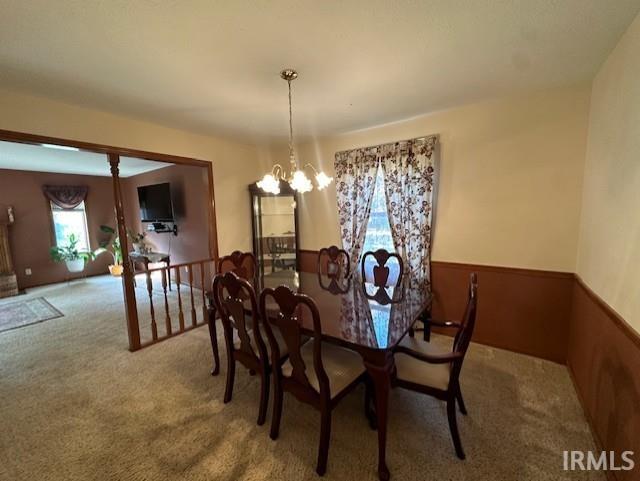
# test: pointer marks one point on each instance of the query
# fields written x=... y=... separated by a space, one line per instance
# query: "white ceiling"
x=212 y=66
x=44 y=159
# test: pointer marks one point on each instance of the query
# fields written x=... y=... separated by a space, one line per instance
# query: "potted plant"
x=137 y=241
x=69 y=254
x=112 y=246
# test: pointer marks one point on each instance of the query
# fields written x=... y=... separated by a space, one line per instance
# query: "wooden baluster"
x=194 y=319
x=154 y=328
x=180 y=312
x=165 y=273
x=204 y=300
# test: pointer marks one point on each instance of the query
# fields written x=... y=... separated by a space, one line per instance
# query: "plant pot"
x=116 y=270
x=75 y=266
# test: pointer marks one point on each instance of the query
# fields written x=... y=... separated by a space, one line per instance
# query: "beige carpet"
x=76 y=405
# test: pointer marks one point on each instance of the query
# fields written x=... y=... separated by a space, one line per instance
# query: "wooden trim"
x=617 y=319
x=211 y=208
x=485 y=268
x=113 y=155
x=522 y=310
x=131 y=309
x=24 y=138
x=504 y=269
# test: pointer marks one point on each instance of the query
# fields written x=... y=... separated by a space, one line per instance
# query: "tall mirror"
x=275 y=230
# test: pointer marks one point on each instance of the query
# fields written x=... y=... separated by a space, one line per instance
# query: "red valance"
x=66 y=196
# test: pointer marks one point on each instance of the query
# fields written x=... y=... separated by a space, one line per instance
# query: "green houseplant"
x=74 y=258
x=112 y=246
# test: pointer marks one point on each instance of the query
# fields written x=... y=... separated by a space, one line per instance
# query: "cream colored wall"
x=510 y=179
x=609 y=247
x=234 y=164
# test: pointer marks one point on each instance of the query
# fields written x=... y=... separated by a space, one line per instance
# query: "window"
x=70 y=221
x=378 y=234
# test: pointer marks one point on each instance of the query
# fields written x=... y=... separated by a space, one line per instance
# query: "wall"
x=32 y=234
x=609 y=249
x=189 y=191
x=510 y=179
x=234 y=163
x=604 y=346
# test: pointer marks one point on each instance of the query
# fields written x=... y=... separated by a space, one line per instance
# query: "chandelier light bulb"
x=300 y=182
x=270 y=184
x=323 y=180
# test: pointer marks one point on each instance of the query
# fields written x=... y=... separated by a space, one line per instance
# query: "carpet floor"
x=76 y=405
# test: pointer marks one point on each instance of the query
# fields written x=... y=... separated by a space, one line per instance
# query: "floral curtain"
x=65 y=196
x=355 y=182
x=409 y=174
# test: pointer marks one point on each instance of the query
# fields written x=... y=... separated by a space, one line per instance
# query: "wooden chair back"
x=336 y=261
x=463 y=336
x=287 y=319
x=243 y=264
x=235 y=300
x=381 y=271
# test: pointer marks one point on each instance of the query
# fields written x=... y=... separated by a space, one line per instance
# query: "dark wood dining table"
x=355 y=314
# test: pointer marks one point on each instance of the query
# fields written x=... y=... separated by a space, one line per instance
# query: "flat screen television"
x=155 y=203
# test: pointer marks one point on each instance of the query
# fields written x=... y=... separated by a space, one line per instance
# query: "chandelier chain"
x=291 y=154
x=297 y=179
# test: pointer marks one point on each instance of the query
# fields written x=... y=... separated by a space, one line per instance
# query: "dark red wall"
x=189 y=191
x=32 y=234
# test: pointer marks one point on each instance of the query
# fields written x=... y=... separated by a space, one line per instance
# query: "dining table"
x=360 y=316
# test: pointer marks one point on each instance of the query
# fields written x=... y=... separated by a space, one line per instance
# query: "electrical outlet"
x=27 y=271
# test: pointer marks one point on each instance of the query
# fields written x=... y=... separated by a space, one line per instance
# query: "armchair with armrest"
x=424 y=368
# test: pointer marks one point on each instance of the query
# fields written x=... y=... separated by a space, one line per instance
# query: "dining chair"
x=243 y=264
x=381 y=271
x=423 y=368
x=316 y=373
x=244 y=343
x=336 y=261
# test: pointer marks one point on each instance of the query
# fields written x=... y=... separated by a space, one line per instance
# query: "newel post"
x=131 y=309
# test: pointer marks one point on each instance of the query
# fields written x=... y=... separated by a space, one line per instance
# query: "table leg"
x=213 y=335
x=379 y=365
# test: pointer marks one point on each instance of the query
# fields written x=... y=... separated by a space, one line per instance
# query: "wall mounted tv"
x=155 y=203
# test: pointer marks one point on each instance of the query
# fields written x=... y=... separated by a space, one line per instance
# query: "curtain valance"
x=66 y=196
x=420 y=145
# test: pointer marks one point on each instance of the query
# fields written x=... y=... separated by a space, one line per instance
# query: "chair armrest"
x=430 y=358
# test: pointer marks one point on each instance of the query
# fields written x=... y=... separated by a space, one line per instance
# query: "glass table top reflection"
x=353 y=311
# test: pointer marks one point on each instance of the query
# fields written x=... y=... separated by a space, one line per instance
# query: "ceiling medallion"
x=296 y=176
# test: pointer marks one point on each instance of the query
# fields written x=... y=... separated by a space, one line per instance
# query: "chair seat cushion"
x=420 y=345
x=420 y=372
x=342 y=366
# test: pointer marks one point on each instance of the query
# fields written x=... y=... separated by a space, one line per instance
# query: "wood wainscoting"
x=554 y=316
x=604 y=362
x=522 y=310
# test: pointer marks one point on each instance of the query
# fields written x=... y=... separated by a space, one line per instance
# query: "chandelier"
x=296 y=176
